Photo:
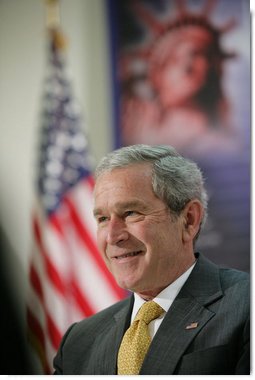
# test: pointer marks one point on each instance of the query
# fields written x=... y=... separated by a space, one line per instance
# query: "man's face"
x=139 y=239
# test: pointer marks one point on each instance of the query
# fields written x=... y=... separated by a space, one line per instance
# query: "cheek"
x=201 y=68
x=141 y=231
x=151 y=237
x=167 y=238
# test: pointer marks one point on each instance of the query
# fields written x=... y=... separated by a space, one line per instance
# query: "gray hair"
x=175 y=180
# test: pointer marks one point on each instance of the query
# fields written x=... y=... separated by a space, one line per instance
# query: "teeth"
x=127 y=255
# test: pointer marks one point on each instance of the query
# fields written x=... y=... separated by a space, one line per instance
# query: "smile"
x=131 y=254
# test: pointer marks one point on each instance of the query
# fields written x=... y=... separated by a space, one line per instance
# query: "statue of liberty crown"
x=185 y=18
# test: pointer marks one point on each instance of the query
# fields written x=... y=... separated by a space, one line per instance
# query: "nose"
x=116 y=232
x=188 y=64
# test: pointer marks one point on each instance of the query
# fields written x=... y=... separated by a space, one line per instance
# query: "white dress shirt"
x=165 y=299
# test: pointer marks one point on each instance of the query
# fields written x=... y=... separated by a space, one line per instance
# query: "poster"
x=181 y=77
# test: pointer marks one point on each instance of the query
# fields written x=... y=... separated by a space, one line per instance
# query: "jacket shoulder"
x=101 y=320
x=230 y=277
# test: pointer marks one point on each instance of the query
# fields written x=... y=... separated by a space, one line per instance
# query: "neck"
x=149 y=294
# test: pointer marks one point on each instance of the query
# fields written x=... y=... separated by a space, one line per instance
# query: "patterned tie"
x=136 y=340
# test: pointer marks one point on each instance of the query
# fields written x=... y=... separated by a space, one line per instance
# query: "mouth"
x=130 y=254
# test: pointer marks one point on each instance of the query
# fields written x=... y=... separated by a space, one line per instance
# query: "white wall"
x=22 y=68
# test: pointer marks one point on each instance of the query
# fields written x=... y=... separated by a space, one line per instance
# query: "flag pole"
x=53 y=24
x=52 y=14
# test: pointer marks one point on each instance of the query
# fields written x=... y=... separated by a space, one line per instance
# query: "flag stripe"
x=35 y=326
x=52 y=330
x=88 y=242
x=89 y=276
x=81 y=301
x=85 y=209
x=56 y=223
x=36 y=335
x=50 y=269
x=36 y=283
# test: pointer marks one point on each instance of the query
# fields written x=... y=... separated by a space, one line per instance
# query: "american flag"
x=68 y=279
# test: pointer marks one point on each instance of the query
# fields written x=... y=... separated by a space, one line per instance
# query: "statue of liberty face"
x=180 y=64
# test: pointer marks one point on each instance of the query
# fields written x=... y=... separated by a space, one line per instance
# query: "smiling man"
x=182 y=316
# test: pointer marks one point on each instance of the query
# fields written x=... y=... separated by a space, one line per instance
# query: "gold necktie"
x=136 y=340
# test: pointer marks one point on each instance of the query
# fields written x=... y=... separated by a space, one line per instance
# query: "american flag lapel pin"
x=192 y=325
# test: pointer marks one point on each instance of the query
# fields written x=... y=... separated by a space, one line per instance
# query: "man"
x=150 y=204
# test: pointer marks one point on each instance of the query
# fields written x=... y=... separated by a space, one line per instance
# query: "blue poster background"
x=146 y=42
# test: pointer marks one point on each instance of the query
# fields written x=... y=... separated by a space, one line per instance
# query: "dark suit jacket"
x=215 y=299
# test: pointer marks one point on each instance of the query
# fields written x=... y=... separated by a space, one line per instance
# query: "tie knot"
x=150 y=310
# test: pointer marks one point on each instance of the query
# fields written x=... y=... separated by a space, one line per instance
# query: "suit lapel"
x=106 y=345
x=188 y=310
x=173 y=337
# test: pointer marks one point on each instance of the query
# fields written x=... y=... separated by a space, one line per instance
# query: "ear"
x=192 y=217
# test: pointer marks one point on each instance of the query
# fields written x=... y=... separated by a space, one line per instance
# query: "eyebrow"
x=97 y=212
x=123 y=206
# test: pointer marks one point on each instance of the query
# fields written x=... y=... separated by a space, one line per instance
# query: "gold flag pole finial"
x=52 y=14
x=53 y=23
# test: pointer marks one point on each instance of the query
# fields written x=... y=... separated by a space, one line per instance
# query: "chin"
x=128 y=284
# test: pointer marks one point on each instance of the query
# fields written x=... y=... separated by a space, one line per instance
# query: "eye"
x=132 y=216
x=101 y=219
x=130 y=213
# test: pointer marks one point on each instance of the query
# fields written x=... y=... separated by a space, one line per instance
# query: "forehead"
x=188 y=36
x=125 y=177
x=131 y=183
